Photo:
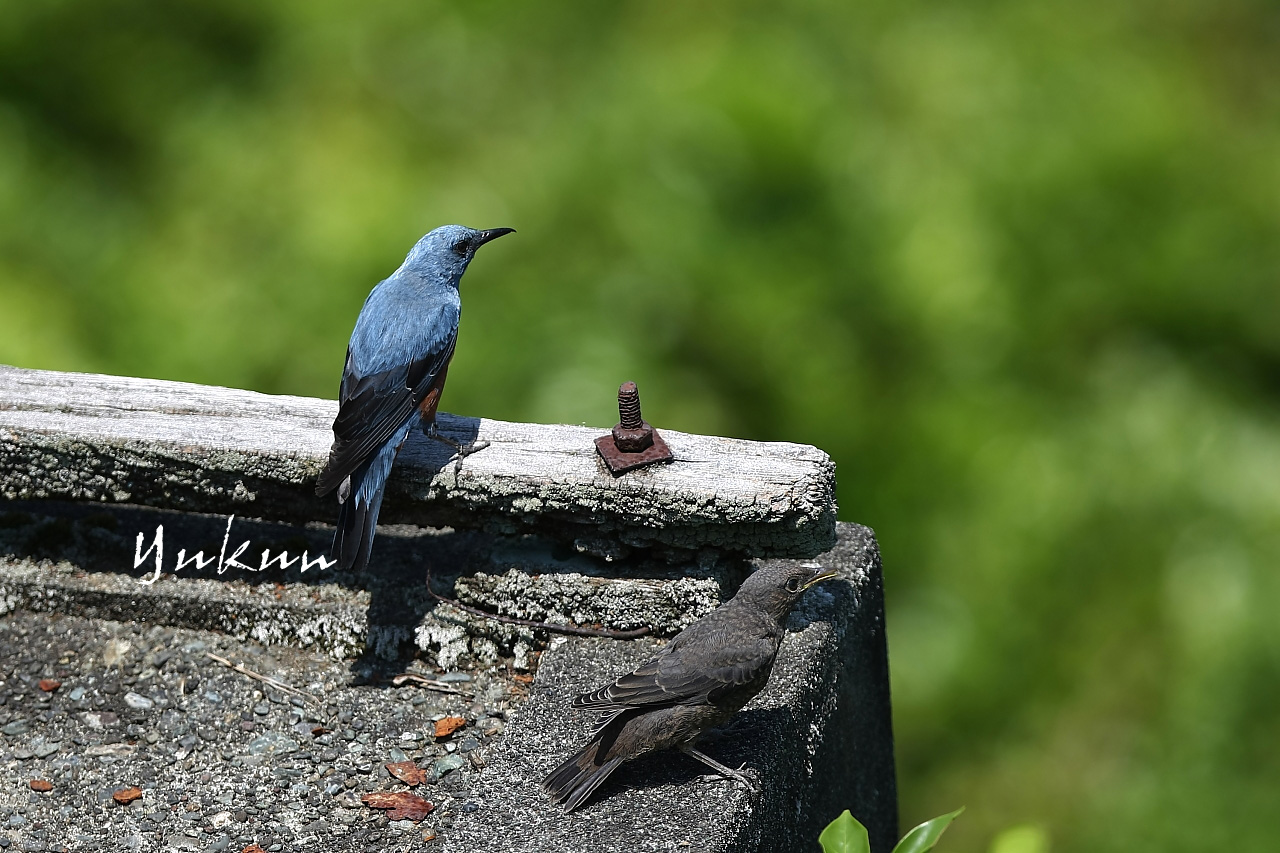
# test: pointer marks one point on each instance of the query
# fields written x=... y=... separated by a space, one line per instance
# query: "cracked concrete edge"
x=819 y=735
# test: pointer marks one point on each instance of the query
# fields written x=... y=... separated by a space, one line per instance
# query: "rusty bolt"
x=632 y=435
x=634 y=443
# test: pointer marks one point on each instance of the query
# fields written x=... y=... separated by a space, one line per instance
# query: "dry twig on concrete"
x=265 y=679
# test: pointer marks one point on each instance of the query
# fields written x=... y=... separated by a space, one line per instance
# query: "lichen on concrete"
x=665 y=606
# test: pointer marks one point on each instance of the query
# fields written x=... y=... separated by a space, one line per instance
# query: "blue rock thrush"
x=396 y=366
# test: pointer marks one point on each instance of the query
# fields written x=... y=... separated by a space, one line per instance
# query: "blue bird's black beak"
x=493 y=234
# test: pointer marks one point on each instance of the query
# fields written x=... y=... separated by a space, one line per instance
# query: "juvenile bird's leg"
x=727 y=772
x=462 y=450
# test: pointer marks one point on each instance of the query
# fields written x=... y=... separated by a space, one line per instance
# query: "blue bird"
x=396 y=366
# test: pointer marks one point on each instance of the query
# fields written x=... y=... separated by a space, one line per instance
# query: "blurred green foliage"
x=1016 y=266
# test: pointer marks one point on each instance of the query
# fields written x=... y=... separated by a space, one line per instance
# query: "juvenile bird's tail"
x=573 y=781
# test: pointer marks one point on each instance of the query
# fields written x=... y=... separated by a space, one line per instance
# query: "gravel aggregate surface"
x=221 y=760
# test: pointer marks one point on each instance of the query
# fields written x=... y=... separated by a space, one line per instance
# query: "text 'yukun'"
x=200 y=561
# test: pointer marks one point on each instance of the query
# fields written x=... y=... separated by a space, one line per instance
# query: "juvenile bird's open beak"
x=819 y=575
x=493 y=234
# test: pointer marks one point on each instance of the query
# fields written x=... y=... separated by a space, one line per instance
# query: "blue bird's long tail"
x=358 y=516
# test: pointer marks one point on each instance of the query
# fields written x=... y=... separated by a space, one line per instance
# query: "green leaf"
x=924 y=836
x=845 y=835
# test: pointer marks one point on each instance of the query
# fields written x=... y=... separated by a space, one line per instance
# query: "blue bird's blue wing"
x=374 y=408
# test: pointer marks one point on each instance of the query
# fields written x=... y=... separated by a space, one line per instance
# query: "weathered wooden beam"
x=177 y=445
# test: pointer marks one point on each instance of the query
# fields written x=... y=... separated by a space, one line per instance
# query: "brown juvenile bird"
x=700 y=679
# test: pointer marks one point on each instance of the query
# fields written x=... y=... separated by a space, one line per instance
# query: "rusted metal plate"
x=620 y=462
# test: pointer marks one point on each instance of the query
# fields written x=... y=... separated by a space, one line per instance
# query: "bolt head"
x=633 y=440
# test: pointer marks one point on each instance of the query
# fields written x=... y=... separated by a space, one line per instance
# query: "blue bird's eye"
x=460 y=247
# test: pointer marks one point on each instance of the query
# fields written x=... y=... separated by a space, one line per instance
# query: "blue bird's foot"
x=461 y=451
